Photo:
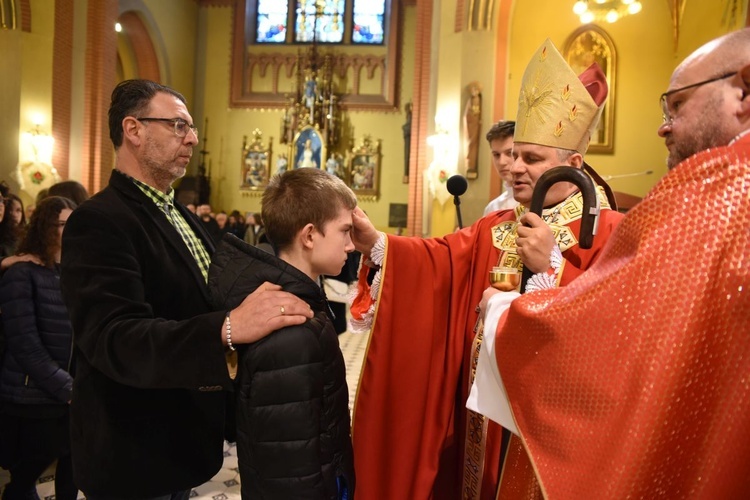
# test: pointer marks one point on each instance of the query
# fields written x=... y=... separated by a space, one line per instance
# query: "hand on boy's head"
x=266 y=310
x=364 y=234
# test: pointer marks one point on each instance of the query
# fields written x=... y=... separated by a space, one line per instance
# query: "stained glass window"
x=325 y=18
x=271 y=22
x=369 y=18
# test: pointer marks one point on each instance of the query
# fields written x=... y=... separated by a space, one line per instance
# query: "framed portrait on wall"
x=308 y=149
x=335 y=165
x=591 y=44
x=364 y=169
x=256 y=162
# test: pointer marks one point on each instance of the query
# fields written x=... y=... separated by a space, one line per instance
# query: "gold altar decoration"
x=364 y=169
x=256 y=163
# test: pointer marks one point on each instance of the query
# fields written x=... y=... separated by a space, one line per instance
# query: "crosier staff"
x=591 y=209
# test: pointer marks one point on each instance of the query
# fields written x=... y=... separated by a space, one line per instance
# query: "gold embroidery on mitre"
x=552 y=93
x=573 y=113
x=537 y=98
x=559 y=129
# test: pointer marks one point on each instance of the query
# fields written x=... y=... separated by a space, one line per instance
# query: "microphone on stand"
x=456 y=186
x=633 y=174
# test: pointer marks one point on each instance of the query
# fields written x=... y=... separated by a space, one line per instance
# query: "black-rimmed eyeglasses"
x=181 y=127
x=666 y=105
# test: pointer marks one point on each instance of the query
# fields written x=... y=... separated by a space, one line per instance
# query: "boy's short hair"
x=501 y=130
x=301 y=196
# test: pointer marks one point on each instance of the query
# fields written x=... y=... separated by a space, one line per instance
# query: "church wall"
x=30 y=92
x=478 y=64
x=462 y=57
x=173 y=26
x=704 y=20
x=10 y=93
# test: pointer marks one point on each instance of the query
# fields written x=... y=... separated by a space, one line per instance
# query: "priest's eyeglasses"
x=667 y=104
x=181 y=127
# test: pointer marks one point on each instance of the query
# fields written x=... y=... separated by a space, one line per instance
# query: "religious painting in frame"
x=256 y=162
x=364 y=169
x=308 y=149
x=591 y=44
x=336 y=165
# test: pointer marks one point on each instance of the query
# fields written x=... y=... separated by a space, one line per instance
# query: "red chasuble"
x=634 y=380
x=410 y=419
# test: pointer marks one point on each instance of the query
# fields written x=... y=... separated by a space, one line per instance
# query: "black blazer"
x=147 y=413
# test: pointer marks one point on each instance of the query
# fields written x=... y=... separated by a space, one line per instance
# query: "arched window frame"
x=341 y=14
x=248 y=55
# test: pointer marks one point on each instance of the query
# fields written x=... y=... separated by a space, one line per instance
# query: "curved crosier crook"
x=590 y=216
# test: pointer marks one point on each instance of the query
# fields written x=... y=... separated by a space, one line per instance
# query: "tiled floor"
x=226 y=484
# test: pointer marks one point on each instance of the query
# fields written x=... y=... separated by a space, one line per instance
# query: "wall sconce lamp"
x=444 y=163
x=36 y=146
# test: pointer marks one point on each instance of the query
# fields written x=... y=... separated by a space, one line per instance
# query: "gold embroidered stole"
x=476 y=431
x=557 y=218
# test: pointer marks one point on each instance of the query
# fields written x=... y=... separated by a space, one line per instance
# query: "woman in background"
x=36 y=380
x=12 y=227
x=73 y=190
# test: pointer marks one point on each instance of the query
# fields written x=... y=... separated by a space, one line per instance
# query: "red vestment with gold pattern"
x=634 y=380
x=410 y=421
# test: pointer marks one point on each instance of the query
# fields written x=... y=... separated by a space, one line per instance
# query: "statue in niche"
x=473 y=129
x=406 y=128
x=287 y=126
x=307 y=160
x=335 y=165
x=311 y=95
x=281 y=164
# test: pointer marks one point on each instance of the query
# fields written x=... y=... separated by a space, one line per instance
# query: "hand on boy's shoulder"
x=266 y=310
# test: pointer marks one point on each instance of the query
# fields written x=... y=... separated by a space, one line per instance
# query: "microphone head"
x=457 y=184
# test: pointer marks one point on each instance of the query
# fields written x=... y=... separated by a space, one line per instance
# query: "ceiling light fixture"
x=605 y=10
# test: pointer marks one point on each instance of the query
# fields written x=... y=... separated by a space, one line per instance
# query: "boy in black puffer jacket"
x=293 y=425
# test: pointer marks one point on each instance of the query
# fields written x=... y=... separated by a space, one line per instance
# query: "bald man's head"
x=707 y=103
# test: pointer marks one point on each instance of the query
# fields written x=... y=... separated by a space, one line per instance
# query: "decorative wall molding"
x=273 y=65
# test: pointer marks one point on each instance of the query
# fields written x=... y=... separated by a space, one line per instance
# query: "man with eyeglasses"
x=148 y=405
x=633 y=382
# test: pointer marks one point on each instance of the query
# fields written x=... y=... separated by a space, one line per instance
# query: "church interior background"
x=384 y=95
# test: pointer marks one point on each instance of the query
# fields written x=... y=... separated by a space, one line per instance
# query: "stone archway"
x=139 y=42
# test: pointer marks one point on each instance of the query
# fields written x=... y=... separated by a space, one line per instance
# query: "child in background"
x=293 y=424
